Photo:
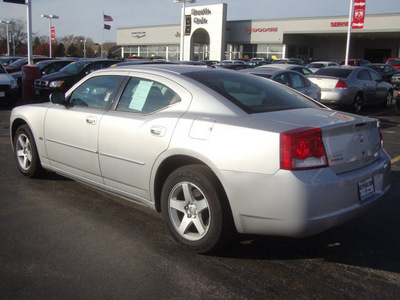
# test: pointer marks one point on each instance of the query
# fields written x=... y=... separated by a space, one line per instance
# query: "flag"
x=107 y=18
x=359 y=14
x=107 y=27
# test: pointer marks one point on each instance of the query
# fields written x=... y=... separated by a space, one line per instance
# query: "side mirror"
x=57 y=98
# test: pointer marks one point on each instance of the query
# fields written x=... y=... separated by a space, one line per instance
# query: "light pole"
x=183 y=25
x=50 y=17
x=84 y=48
x=8 y=39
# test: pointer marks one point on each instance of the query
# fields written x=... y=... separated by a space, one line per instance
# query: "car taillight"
x=302 y=148
x=378 y=124
x=341 y=85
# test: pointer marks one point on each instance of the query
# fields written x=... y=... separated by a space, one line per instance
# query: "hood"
x=57 y=76
x=6 y=78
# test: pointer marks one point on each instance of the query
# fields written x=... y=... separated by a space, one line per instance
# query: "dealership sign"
x=249 y=30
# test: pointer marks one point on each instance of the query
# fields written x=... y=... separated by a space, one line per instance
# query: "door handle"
x=158 y=130
x=91 y=120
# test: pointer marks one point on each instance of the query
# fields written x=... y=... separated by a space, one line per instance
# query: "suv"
x=69 y=75
x=355 y=62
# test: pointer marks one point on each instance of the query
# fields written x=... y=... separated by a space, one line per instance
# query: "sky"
x=84 y=17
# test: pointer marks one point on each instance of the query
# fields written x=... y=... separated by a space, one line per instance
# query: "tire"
x=357 y=104
x=388 y=100
x=26 y=154
x=195 y=209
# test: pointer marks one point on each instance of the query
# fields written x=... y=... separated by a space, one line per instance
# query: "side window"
x=282 y=78
x=96 y=92
x=297 y=81
x=146 y=96
x=363 y=75
x=374 y=76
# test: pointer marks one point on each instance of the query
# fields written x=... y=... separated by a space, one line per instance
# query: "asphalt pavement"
x=60 y=239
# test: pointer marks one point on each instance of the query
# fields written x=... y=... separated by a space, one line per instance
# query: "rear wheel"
x=358 y=104
x=26 y=153
x=195 y=208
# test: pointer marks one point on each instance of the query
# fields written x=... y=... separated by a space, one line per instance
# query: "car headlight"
x=56 y=84
x=14 y=84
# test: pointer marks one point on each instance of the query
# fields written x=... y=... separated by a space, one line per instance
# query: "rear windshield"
x=316 y=65
x=252 y=93
x=334 y=72
x=394 y=61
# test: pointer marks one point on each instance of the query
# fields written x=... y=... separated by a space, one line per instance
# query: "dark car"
x=45 y=67
x=8 y=87
x=16 y=66
x=61 y=81
x=386 y=71
x=6 y=60
x=355 y=62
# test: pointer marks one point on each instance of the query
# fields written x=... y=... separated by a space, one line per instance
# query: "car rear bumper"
x=302 y=203
x=337 y=97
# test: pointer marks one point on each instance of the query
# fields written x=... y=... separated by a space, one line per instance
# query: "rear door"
x=133 y=136
x=367 y=85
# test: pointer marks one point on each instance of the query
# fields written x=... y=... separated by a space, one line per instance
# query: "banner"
x=53 y=34
x=359 y=14
x=107 y=27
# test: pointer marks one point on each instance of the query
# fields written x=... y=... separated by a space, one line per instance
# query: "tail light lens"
x=302 y=148
x=380 y=132
x=341 y=85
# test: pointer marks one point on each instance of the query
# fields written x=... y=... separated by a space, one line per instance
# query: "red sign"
x=359 y=14
x=53 y=34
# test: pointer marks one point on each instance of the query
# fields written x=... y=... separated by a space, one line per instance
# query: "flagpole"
x=102 y=37
x=349 y=32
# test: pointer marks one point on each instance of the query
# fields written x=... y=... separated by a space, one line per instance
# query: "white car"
x=315 y=66
x=8 y=88
x=215 y=151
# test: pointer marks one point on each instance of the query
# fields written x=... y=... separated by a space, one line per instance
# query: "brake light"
x=378 y=124
x=341 y=85
x=302 y=148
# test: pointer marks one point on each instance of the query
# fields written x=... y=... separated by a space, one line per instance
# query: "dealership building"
x=209 y=36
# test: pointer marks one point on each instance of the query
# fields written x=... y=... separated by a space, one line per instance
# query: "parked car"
x=293 y=61
x=213 y=150
x=301 y=69
x=6 y=60
x=16 y=66
x=8 y=88
x=397 y=105
x=314 y=66
x=353 y=87
x=386 y=71
x=69 y=75
x=45 y=67
x=395 y=62
x=292 y=79
x=355 y=62
x=395 y=81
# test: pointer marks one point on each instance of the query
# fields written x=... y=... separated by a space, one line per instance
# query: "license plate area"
x=366 y=188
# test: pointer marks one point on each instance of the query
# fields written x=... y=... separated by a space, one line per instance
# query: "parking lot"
x=61 y=239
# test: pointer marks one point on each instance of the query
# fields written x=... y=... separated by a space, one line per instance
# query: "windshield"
x=251 y=93
x=316 y=65
x=19 y=63
x=75 y=67
x=334 y=72
x=394 y=61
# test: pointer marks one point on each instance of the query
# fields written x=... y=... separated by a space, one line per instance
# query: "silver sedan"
x=215 y=151
x=353 y=87
x=289 y=78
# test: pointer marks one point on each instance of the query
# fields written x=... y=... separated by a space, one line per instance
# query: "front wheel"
x=389 y=100
x=196 y=209
x=25 y=152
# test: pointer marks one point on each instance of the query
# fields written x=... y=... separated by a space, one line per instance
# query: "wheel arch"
x=14 y=126
x=169 y=165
